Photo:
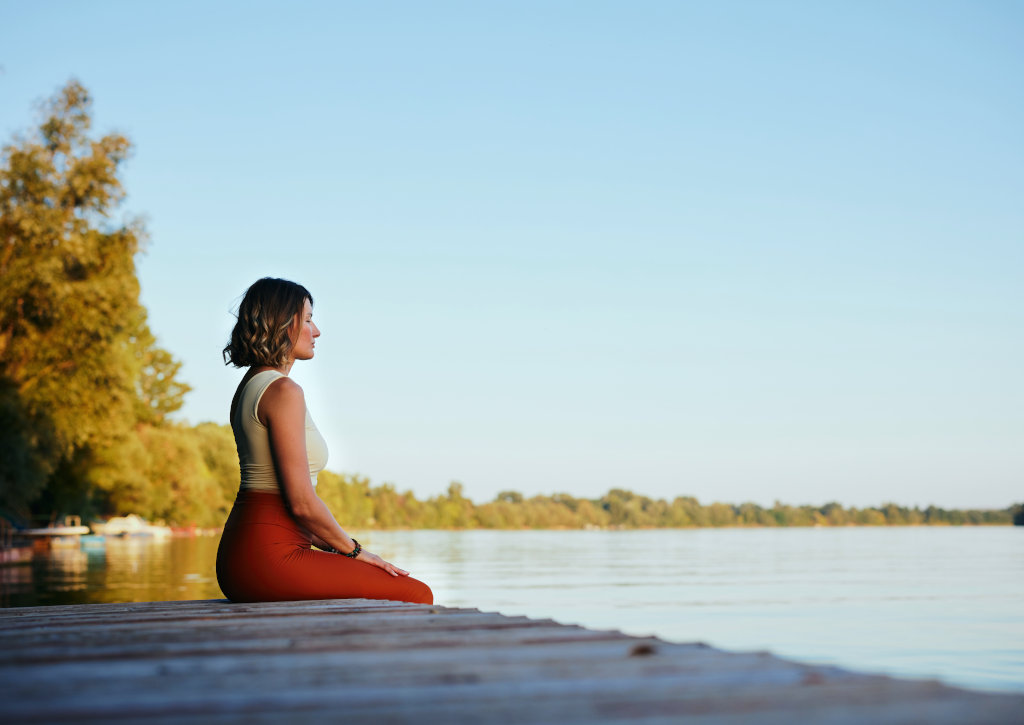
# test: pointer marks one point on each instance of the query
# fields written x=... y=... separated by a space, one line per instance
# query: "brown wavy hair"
x=266 y=317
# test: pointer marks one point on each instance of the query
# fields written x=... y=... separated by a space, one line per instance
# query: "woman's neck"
x=284 y=368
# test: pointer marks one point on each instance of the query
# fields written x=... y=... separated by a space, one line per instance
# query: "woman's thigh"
x=312 y=574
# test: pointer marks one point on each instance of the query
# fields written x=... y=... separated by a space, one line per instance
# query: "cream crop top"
x=252 y=439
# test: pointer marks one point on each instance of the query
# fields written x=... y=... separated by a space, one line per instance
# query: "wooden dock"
x=362 y=661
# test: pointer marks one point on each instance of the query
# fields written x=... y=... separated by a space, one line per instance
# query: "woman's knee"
x=419 y=592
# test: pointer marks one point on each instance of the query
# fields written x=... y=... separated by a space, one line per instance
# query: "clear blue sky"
x=735 y=250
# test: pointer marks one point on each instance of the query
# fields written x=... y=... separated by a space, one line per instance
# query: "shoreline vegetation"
x=86 y=393
x=382 y=507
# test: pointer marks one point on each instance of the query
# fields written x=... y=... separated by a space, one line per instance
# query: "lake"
x=943 y=602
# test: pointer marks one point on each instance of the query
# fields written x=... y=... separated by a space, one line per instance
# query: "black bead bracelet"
x=355 y=552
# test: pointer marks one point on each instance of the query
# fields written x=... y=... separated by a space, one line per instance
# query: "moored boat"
x=130 y=525
x=72 y=526
x=56 y=531
x=55 y=536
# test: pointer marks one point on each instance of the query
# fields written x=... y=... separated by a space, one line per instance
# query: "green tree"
x=454 y=511
x=75 y=352
x=158 y=392
x=834 y=514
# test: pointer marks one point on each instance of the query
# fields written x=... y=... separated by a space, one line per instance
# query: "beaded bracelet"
x=355 y=552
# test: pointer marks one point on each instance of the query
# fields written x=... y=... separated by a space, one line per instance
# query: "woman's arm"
x=320 y=543
x=283 y=410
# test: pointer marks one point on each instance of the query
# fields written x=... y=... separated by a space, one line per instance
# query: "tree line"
x=86 y=392
x=362 y=505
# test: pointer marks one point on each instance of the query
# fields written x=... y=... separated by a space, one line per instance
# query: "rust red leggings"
x=264 y=556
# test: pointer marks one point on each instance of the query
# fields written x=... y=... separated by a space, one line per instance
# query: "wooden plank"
x=227 y=628
x=12 y=619
x=508 y=662
x=130 y=618
x=565 y=701
x=311 y=643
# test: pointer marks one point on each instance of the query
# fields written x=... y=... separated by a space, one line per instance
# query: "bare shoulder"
x=283 y=398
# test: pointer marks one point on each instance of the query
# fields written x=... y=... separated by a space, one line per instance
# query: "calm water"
x=922 y=602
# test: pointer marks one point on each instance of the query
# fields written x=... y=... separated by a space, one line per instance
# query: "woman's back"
x=252 y=439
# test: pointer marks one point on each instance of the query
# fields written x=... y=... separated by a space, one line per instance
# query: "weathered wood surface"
x=389 y=662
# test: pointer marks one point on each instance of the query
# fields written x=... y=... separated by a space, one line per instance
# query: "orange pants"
x=265 y=556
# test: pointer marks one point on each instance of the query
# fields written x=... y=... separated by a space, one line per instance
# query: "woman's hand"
x=390 y=568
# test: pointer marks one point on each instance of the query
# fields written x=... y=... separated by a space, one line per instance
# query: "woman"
x=265 y=551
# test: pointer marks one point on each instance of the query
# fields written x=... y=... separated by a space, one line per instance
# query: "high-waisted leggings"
x=265 y=556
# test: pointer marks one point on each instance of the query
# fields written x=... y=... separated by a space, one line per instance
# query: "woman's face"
x=305 y=341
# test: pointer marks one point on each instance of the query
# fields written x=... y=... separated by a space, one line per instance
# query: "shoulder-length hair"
x=266 y=317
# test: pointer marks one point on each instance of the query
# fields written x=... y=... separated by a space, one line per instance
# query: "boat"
x=55 y=536
x=130 y=525
x=72 y=526
x=92 y=541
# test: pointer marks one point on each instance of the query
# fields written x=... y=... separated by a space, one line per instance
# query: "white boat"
x=130 y=525
x=72 y=526
x=56 y=531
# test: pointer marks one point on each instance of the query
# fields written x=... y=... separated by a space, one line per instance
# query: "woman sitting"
x=266 y=552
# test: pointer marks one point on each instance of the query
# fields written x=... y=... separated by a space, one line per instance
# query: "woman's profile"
x=266 y=552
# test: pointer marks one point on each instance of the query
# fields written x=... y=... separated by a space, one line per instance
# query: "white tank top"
x=252 y=439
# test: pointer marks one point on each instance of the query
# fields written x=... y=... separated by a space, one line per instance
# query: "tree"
x=509 y=497
x=454 y=510
x=158 y=392
x=78 y=365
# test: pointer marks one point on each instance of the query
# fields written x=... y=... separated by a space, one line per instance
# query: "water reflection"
x=66 y=569
x=14 y=579
x=129 y=569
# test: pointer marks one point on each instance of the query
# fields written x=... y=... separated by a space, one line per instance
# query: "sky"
x=743 y=251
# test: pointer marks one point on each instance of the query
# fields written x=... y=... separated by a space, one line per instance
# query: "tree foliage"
x=79 y=367
x=359 y=504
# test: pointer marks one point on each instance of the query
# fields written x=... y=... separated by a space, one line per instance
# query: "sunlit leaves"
x=79 y=370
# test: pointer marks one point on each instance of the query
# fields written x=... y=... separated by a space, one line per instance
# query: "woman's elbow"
x=303 y=509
